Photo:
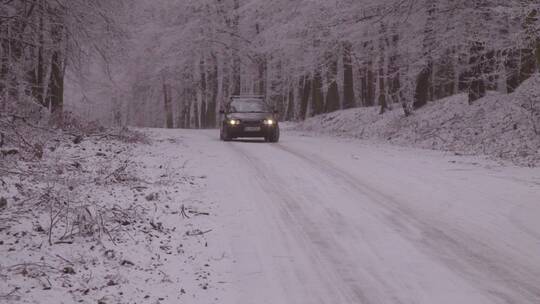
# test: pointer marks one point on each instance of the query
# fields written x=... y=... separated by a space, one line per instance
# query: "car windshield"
x=248 y=106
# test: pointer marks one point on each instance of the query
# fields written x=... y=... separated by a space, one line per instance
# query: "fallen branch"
x=25 y=265
x=183 y=212
x=63 y=242
x=10 y=294
x=198 y=213
x=197 y=232
x=106 y=230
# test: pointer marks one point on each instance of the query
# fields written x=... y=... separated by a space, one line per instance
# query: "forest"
x=397 y=160
x=174 y=64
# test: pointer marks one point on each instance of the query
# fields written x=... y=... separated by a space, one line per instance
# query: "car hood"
x=250 y=116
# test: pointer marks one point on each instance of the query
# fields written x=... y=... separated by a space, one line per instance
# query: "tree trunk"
x=528 y=64
x=291 y=104
x=383 y=43
x=332 y=95
x=537 y=54
x=394 y=85
x=371 y=85
x=236 y=78
x=406 y=108
x=56 y=84
x=363 y=86
x=184 y=101
x=211 y=118
x=348 y=79
x=490 y=70
x=305 y=86
x=317 y=94
x=477 y=87
x=424 y=83
x=202 y=94
x=421 y=93
x=195 y=122
x=382 y=91
x=262 y=66
x=39 y=74
x=369 y=82
x=512 y=70
x=275 y=97
x=226 y=84
x=167 y=101
x=4 y=70
x=530 y=57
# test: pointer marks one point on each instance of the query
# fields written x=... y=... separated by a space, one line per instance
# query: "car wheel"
x=224 y=134
x=274 y=137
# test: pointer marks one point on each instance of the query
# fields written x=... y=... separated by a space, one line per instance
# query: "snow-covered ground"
x=325 y=220
x=313 y=219
x=129 y=226
x=505 y=127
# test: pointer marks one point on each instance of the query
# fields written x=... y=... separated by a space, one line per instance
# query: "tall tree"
x=424 y=79
x=348 y=77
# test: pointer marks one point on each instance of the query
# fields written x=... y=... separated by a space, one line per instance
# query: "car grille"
x=254 y=123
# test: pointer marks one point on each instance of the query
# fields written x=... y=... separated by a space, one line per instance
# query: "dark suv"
x=247 y=116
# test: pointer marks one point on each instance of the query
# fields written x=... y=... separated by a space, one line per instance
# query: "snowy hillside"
x=499 y=125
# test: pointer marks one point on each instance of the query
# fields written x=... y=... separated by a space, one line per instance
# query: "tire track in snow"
x=499 y=276
x=342 y=284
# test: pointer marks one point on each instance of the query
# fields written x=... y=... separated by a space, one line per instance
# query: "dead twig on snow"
x=183 y=212
x=197 y=232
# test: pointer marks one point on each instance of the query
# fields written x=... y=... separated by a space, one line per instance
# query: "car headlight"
x=269 y=122
x=234 y=122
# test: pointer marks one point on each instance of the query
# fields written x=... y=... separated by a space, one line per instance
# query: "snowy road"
x=327 y=220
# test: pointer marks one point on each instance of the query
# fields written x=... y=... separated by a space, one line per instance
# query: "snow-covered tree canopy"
x=185 y=57
x=41 y=39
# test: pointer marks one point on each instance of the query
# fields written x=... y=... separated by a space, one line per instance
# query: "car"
x=249 y=117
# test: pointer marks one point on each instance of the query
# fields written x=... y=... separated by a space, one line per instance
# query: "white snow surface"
x=503 y=126
x=313 y=219
x=146 y=251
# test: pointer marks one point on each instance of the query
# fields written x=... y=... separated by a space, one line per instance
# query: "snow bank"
x=504 y=126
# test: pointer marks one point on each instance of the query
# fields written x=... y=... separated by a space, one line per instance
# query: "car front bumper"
x=251 y=130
